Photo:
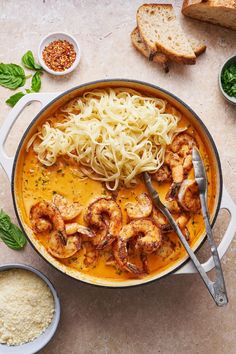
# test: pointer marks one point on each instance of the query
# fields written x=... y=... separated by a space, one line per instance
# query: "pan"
x=50 y=102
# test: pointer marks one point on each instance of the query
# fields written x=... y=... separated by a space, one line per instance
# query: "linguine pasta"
x=113 y=134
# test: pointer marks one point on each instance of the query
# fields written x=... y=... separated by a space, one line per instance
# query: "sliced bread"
x=160 y=31
x=221 y=12
x=159 y=57
x=141 y=47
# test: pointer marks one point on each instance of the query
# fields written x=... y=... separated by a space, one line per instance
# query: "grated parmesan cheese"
x=26 y=306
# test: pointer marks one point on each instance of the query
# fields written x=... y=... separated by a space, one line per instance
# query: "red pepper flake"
x=59 y=55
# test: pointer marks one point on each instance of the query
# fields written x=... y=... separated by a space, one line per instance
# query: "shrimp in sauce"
x=163 y=174
x=179 y=159
x=68 y=210
x=188 y=196
x=74 y=228
x=59 y=245
x=104 y=215
x=147 y=238
x=141 y=209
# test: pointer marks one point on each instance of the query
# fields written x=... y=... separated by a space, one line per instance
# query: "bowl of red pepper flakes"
x=59 y=53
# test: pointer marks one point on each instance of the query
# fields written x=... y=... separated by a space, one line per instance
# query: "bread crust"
x=200 y=50
x=189 y=6
x=184 y=59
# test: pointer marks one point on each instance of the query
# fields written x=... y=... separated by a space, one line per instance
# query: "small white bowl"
x=227 y=97
x=38 y=343
x=54 y=37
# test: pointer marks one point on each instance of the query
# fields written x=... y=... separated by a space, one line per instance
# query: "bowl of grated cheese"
x=29 y=308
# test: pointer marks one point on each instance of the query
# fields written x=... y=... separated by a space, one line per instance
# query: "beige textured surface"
x=176 y=314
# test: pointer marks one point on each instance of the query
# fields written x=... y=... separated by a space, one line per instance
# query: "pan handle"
x=228 y=204
x=44 y=98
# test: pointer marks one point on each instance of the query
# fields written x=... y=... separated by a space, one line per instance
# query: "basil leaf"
x=29 y=62
x=36 y=82
x=5 y=221
x=11 y=101
x=18 y=236
x=11 y=234
x=12 y=76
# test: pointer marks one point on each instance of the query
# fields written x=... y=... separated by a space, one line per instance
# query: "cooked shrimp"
x=187 y=164
x=173 y=191
x=104 y=215
x=59 y=250
x=189 y=196
x=179 y=159
x=44 y=225
x=172 y=206
x=111 y=261
x=44 y=212
x=179 y=169
x=148 y=239
x=144 y=261
x=59 y=245
x=176 y=165
x=163 y=224
x=74 y=228
x=141 y=209
x=163 y=174
x=160 y=220
x=90 y=254
x=183 y=144
x=182 y=220
x=68 y=210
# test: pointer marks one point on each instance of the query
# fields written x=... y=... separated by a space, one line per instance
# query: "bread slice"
x=138 y=43
x=221 y=12
x=160 y=31
x=198 y=47
x=159 y=57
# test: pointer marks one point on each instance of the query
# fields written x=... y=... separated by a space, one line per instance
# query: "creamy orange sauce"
x=36 y=182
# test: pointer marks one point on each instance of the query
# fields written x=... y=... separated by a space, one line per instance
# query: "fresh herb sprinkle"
x=228 y=79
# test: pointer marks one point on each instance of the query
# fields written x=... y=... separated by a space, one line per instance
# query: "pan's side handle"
x=44 y=98
x=228 y=204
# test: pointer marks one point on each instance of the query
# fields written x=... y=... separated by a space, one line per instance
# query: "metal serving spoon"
x=217 y=288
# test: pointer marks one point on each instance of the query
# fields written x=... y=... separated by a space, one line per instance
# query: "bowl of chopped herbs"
x=227 y=79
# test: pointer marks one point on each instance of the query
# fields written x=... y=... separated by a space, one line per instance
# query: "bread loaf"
x=221 y=12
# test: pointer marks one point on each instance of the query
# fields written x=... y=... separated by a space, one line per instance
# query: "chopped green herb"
x=228 y=79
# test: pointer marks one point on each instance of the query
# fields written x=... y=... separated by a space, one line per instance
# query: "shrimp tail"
x=62 y=237
x=173 y=192
x=105 y=242
x=132 y=268
x=78 y=243
x=145 y=263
